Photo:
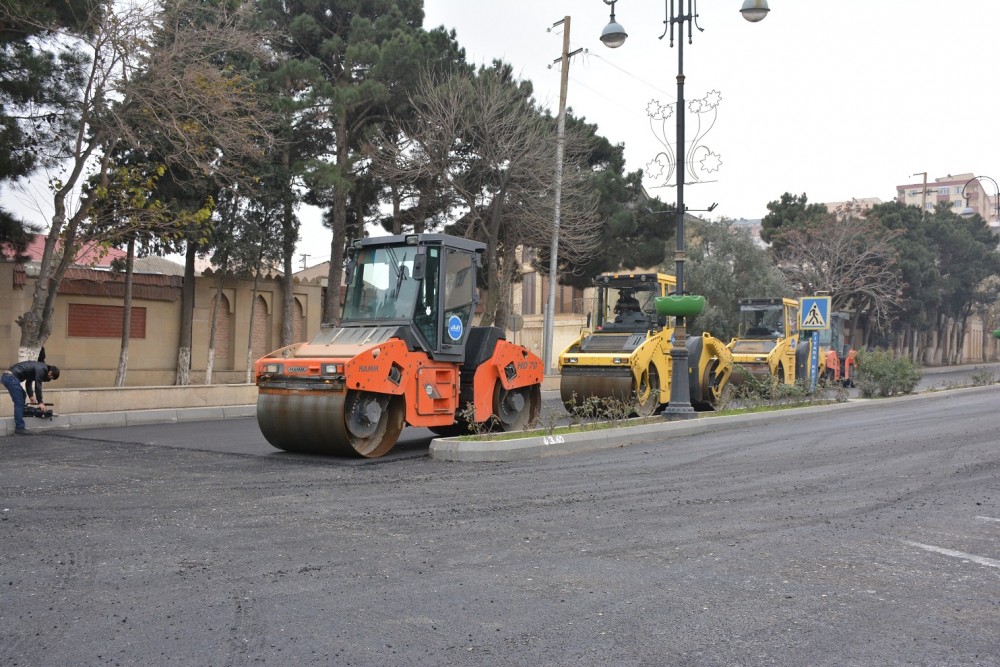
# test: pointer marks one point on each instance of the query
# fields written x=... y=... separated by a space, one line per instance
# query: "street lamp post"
x=968 y=196
x=613 y=36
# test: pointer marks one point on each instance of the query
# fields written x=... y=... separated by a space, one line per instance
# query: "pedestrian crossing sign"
x=815 y=313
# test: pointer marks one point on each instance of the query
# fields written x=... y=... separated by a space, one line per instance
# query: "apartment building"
x=964 y=193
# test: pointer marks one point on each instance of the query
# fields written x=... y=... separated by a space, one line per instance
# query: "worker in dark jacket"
x=32 y=374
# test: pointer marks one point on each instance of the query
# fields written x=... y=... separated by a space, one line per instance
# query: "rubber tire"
x=696 y=383
x=801 y=362
x=523 y=420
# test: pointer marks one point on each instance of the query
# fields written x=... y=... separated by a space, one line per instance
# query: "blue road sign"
x=815 y=313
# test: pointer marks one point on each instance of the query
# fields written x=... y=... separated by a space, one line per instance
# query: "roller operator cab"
x=405 y=352
x=624 y=354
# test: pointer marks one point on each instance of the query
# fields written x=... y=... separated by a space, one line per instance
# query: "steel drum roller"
x=348 y=424
x=576 y=387
x=742 y=371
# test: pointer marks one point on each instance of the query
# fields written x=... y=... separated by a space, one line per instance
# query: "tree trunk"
x=126 y=315
x=939 y=335
x=949 y=342
x=397 y=226
x=505 y=298
x=290 y=236
x=287 y=299
x=855 y=339
x=214 y=324
x=960 y=340
x=187 y=318
x=338 y=224
x=493 y=263
x=36 y=324
x=491 y=303
x=31 y=321
x=253 y=313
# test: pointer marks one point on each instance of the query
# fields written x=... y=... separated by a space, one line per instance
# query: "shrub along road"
x=858 y=539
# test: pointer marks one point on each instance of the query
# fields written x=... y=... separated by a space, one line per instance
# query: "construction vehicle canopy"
x=625 y=352
x=405 y=352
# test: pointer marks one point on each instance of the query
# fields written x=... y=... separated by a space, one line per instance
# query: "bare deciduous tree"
x=848 y=256
x=153 y=80
x=492 y=154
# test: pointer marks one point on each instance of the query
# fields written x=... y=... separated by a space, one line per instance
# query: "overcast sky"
x=836 y=99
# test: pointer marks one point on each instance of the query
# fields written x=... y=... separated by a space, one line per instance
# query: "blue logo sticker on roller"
x=455 y=327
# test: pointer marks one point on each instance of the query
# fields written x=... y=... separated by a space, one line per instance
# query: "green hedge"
x=881 y=373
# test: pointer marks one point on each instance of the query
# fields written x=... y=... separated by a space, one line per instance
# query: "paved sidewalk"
x=128 y=418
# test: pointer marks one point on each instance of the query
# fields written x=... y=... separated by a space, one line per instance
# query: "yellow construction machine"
x=624 y=354
x=769 y=343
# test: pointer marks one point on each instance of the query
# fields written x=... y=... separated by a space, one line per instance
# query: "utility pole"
x=560 y=146
x=304 y=257
x=923 y=194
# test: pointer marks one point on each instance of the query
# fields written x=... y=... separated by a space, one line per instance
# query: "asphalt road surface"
x=865 y=538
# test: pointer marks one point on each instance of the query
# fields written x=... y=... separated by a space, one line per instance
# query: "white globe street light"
x=614 y=34
x=754 y=10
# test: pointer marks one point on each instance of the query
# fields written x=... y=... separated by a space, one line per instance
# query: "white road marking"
x=981 y=560
x=987 y=518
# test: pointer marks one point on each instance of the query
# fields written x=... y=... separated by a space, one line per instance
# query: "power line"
x=630 y=75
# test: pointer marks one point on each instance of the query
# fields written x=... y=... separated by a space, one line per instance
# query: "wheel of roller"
x=516 y=409
x=348 y=424
x=802 y=363
x=696 y=380
x=373 y=422
x=646 y=393
x=710 y=387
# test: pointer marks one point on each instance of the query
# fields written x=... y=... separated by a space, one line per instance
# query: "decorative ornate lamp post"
x=679 y=12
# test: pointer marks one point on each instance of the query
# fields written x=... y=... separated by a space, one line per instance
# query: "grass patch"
x=559 y=430
x=597 y=424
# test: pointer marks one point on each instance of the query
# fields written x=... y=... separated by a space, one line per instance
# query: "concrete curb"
x=519 y=449
x=129 y=418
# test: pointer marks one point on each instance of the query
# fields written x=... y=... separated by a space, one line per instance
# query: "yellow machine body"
x=624 y=354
